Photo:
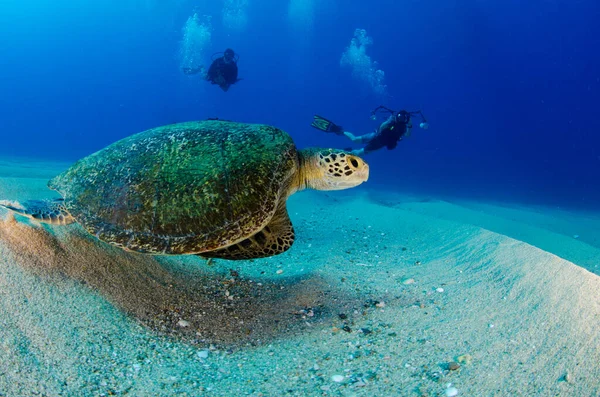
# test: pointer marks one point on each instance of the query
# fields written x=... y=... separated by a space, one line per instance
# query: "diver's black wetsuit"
x=388 y=134
x=222 y=73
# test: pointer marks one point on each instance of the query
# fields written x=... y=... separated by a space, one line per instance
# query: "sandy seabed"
x=381 y=295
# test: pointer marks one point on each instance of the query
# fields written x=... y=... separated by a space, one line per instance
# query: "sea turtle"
x=211 y=188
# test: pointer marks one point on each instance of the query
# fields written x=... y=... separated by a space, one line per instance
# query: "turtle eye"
x=353 y=162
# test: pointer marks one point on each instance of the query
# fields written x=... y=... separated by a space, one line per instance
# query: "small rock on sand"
x=183 y=323
x=337 y=378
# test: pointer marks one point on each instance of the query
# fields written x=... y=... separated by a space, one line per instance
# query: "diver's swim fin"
x=323 y=124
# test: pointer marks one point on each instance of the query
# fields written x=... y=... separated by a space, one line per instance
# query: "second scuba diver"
x=223 y=70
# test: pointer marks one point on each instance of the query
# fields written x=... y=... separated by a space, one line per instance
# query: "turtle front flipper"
x=275 y=238
x=46 y=211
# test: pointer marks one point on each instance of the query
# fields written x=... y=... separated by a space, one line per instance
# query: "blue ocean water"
x=511 y=89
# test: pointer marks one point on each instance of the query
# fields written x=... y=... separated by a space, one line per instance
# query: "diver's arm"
x=235 y=73
x=386 y=124
x=212 y=70
x=408 y=130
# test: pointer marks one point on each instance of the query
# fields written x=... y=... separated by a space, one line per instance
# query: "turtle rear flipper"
x=275 y=238
x=46 y=211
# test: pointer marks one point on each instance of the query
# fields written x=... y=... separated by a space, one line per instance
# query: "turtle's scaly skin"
x=183 y=188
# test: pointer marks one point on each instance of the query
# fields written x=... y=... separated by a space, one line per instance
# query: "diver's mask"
x=401 y=116
x=229 y=55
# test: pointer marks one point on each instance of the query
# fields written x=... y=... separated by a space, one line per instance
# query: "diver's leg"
x=350 y=136
x=366 y=138
x=190 y=71
x=358 y=152
x=202 y=71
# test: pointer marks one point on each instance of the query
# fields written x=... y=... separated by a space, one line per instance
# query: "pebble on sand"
x=453 y=365
x=337 y=378
x=451 y=392
x=183 y=323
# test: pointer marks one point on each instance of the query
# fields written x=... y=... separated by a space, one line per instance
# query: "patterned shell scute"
x=183 y=188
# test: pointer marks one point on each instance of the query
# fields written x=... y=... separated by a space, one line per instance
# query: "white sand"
x=78 y=317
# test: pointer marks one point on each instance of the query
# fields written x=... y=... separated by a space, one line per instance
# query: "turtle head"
x=330 y=169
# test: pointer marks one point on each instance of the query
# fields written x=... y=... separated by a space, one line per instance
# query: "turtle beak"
x=363 y=173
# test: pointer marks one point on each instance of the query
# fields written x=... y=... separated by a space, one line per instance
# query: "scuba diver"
x=223 y=71
x=397 y=126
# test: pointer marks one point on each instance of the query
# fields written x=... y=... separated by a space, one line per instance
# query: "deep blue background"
x=511 y=90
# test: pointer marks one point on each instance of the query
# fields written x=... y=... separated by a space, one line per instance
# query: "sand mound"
x=572 y=236
x=165 y=295
x=387 y=296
